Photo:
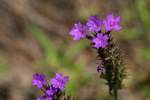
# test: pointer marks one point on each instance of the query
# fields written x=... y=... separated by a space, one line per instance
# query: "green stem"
x=116 y=84
x=115 y=94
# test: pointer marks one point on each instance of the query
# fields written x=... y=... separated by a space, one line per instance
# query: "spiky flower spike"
x=111 y=67
x=52 y=89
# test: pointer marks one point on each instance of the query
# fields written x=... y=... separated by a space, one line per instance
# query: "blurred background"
x=34 y=38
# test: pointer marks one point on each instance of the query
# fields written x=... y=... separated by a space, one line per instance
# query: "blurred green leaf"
x=51 y=55
x=145 y=53
x=146 y=91
x=3 y=68
x=74 y=50
x=72 y=86
x=144 y=14
x=131 y=34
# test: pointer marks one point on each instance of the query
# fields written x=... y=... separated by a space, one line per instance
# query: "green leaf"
x=142 y=7
x=146 y=91
x=74 y=50
x=145 y=53
x=3 y=68
x=51 y=56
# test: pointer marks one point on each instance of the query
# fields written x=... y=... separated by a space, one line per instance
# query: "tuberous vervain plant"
x=111 y=66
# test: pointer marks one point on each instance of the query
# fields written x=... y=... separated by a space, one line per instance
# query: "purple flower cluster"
x=51 y=88
x=100 y=41
x=112 y=22
x=78 y=31
x=39 y=80
x=93 y=30
x=59 y=81
x=94 y=24
x=98 y=32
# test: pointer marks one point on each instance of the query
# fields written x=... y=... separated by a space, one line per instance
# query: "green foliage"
x=146 y=91
x=137 y=15
x=145 y=53
x=144 y=14
x=131 y=34
x=3 y=65
x=50 y=53
x=137 y=19
x=3 y=68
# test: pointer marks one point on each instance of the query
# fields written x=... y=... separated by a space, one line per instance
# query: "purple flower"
x=100 y=41
x=78 y=31
x=112 y=22
x=51 y=91
x=40 y=98
x=93 y=24
x=39 y=80
x=59 y=81
x=48 y=98
x=44 y=98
